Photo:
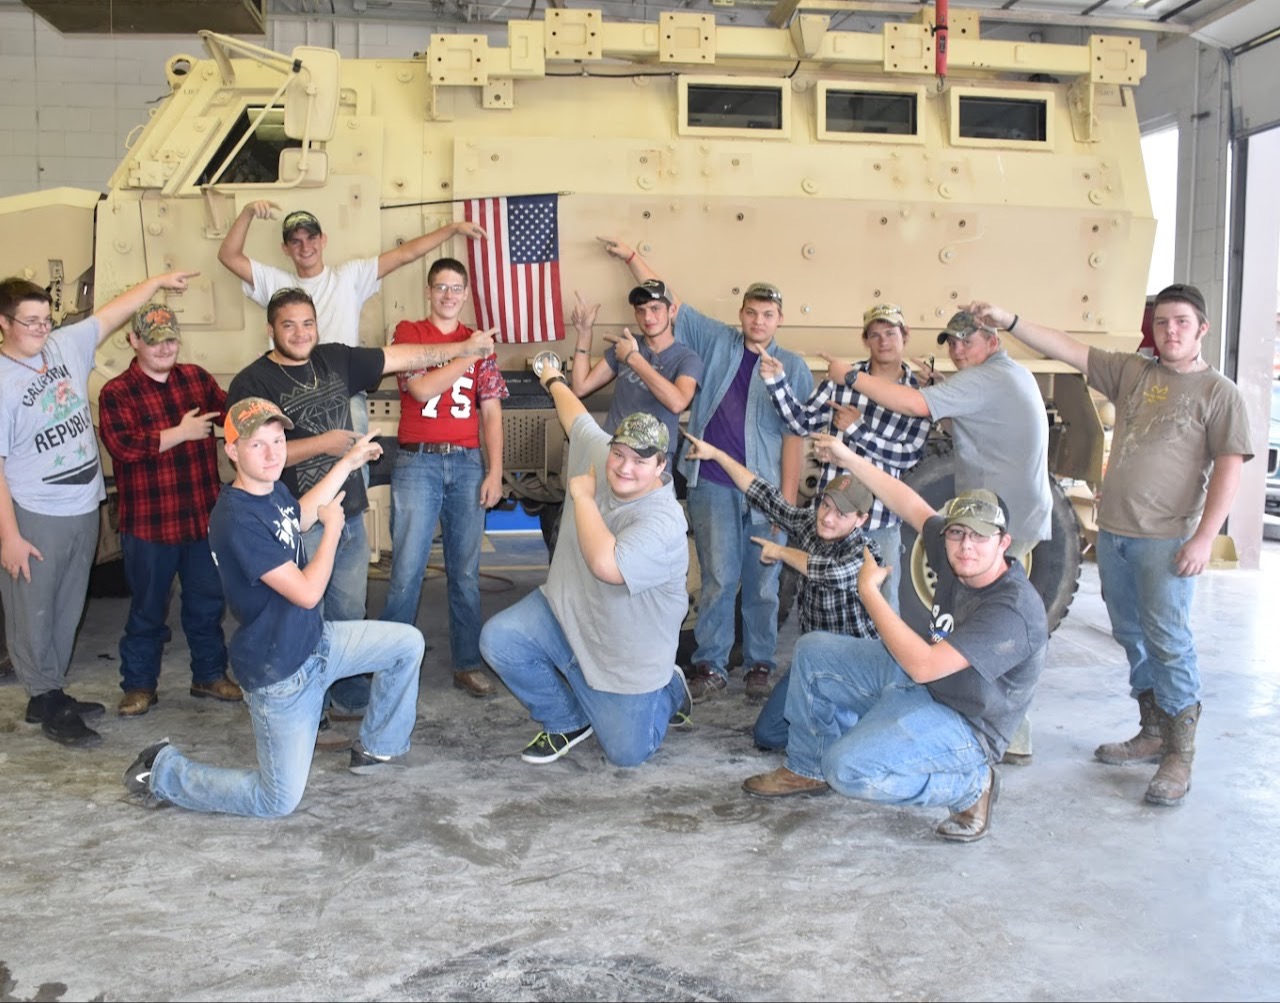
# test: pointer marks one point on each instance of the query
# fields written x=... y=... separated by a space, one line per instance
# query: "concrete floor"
x=470 y=875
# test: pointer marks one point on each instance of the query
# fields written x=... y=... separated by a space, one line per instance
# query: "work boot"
x=1146 y=746
x=1173 y=779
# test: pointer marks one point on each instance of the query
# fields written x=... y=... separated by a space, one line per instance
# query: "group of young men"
x=870 y=708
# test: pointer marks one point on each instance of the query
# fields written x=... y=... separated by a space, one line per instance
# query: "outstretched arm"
x=231 y=253
x=805 y=418
x=702 y=450
x=568 y=408
x=401 y=358
x=900 y=499
x=632 y=259
x=887 y=393
x=412 y=250
x=120 y=309
x=1045 y=340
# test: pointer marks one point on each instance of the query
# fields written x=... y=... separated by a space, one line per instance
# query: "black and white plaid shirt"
x=893 y=442
x=828 y=598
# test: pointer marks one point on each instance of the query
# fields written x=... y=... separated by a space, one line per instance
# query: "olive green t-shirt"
x=1170 y=427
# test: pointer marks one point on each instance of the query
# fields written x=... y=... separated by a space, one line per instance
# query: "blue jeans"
x=150 y=568
x=527 y=648
x=770 y=730
x=860 y=723
x=889 y=540
x=344 y=597
x=723 y=525
x=285 y=717
x=426 y=487
x=1150 y=608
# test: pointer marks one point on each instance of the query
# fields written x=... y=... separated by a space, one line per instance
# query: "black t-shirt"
x=317 y=398
x=1002 y=632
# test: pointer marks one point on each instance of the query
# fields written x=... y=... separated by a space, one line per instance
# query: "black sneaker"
x=37 y=706
x=137 y=778
x=547 y=747
x=683 y=716
x=364 y=762
x=63 y=724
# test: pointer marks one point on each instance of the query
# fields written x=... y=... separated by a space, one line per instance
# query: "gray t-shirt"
x=1002 y=632
x=1170 y=427
x=46 y=431
x=1001 y=435
x=624 y=636
x=630 y=394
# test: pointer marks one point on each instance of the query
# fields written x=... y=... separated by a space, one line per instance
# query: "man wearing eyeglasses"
x=1180 y=440
x=893 y=442
x=439 y=472
x=733 y=412
x=313 y=385
x=908 y=721
x=50 y=488
x=339 y=293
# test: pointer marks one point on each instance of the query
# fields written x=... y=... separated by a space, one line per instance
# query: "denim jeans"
x=1150 y=608
x=527 y=648
x=150 y=568
x=889 y=540
x=344 y=597
x=286 y=714
x=723 y=525
x=770 y=729
x=860 y=723
x=426 y=488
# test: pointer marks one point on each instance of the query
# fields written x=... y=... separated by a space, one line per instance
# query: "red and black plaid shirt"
x=164 y=497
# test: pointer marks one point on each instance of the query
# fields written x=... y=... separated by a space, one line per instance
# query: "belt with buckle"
x=433 y=447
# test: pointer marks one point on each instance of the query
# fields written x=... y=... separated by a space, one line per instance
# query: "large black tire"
x=1054 y=565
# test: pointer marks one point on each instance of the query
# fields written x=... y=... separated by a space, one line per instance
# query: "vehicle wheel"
x=1053 y=566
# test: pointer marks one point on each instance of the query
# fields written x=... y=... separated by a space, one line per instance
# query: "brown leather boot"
x=1173 y=779
x=1146 y=746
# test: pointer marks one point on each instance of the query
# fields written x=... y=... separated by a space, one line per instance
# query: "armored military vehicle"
x=846 y=167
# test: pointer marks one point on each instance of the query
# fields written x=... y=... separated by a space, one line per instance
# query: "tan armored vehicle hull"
x=835 y=164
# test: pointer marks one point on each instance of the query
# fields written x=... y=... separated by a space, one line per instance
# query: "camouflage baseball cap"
x=849 y=495
x=644 y=433
x=960 y=326
x=247 y=416
x=981 y=510
x=763 y=291
x=884 y=311
x=299 y=218
x=155 y=324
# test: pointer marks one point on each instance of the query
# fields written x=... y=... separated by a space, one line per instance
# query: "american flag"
x=516 y=272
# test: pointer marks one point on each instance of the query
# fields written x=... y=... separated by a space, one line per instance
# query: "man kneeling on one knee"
x=594 y=649
x=906 y=721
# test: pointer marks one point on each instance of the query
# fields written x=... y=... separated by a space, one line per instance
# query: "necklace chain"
x=315 y=377
x=44 y=362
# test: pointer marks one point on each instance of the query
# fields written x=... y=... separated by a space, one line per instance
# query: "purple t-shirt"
x=727 y=428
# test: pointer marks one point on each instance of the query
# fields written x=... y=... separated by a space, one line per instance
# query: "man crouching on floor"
x=594 y=649
x=284 y=653
x=906 y=721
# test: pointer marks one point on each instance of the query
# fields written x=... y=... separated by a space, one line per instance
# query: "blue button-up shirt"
x=720 y=345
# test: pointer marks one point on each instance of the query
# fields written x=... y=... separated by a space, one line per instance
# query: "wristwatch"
x=555 y=379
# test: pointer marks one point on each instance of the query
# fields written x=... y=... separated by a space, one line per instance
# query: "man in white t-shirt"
x=338 y=293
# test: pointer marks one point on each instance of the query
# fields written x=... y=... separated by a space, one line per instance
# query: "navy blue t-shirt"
x=251 y=535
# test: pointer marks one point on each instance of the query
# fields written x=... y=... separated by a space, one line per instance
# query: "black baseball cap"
x=648 y=291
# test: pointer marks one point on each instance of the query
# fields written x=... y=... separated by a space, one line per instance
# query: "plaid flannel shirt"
x=828 y=598
x=164 y=497
x=893 y=442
